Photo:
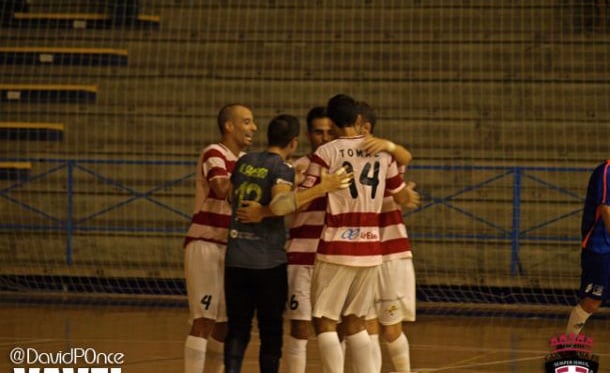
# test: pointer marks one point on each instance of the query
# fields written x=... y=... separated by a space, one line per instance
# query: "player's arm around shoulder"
x=288 y=202
x=329 y=183
x=285 y=200
x=374 y=145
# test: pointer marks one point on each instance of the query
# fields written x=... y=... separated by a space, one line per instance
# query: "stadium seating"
x=458 y=82
x=72 y=93
x=63 y=56
x=14 y=170
x=81 y=20
x=31 y=131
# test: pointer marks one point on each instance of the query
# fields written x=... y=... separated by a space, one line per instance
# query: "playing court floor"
x=151 y=338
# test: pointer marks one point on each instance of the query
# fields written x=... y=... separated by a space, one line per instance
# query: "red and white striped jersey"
x=395 y=243
x=306 y=226
x=351 y=235
x=212 y=214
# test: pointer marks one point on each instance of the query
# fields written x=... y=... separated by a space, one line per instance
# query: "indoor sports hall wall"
x=105 y=105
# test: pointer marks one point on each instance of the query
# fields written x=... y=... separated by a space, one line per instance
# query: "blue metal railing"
x=516 y=234
x=71 y=224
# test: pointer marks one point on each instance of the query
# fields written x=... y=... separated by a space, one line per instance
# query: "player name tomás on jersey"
x=349 y=152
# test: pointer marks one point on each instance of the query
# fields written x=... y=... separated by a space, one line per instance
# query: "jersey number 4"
x=206 y=301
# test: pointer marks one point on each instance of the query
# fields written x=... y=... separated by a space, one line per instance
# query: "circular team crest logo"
x=571 y=354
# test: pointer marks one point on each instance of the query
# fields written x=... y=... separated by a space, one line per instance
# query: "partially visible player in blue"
x=595 y=255
x=255 y=263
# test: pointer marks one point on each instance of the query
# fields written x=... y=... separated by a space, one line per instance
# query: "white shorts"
x=338 y=290
x=299 y=292
x=204 y=264
x=395 y=293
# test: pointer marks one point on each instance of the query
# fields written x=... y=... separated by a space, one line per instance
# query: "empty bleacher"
x=14 y=170
x=31 y=131
x=63 y=56
x=32 y=92
x=77 y=15
x=81 y=20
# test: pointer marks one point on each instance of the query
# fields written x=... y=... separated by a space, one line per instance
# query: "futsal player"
x=206 y=239
x=301 y=247
x=595 y=249
x=349 y=253
x=255 y=273
x=394 y=300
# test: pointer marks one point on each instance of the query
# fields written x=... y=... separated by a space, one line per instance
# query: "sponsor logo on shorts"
x=392 y=309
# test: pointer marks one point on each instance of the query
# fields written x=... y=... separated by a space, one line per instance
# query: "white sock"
x=375 y=352
x=399 y=354
x=331 y=355
x=296 y=355
x=577 y=320
x=216 y=361
x=194 y=354
x=359 y=346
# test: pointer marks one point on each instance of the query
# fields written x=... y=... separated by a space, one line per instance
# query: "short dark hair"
x=368 y=113
x=342 y=110
x=282 y=129
x=225 y=114
x=317 y=112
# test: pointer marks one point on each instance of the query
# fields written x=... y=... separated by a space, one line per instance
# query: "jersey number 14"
x=364 y=178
